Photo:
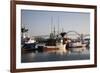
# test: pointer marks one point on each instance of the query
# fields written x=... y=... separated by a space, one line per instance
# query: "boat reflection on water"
x=54 y=53
x=40 y=56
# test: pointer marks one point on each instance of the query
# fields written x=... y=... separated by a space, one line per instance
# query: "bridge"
x=69 y=33
x=73 y=33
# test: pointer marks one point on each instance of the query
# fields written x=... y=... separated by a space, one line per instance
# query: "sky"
x=40 y=22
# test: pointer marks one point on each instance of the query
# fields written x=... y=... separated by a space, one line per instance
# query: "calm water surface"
x=30 y=56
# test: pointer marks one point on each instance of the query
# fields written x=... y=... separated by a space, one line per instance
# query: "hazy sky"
x=39 y=22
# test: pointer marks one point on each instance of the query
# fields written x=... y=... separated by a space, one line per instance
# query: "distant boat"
x=76 y=45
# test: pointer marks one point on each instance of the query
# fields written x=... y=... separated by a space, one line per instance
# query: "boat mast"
x=58 y=25
x=54 y=32
x=51 y=23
